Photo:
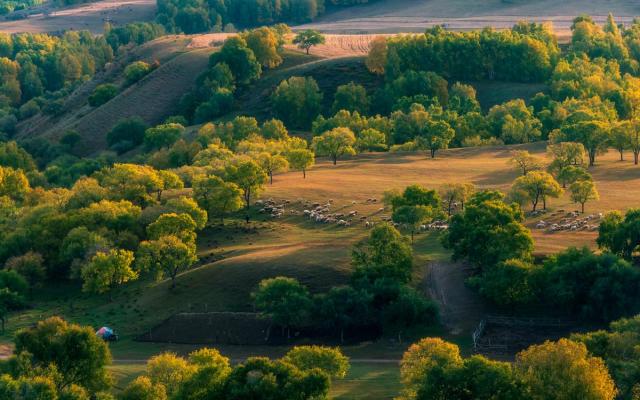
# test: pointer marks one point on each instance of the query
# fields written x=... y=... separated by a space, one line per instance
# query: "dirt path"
x=461 y=309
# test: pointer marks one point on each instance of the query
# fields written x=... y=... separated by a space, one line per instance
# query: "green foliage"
x=239 y=58
x=351 y=97
x=163 y=136
x=126 y=134
x=249 y=177
x=14 y=156
x=106 y=271
x=166 y=257
x=284 y=300
x=103 y=93
x=297 y=101
x=335 y=144
x=620 y=235
x=78 y=355
x=216 y=196
x=136 y=71
x=488 y=232
x=537 y=186
x=308 y=38
x=329 y=360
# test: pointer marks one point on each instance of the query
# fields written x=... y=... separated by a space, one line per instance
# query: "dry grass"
x=90 y=16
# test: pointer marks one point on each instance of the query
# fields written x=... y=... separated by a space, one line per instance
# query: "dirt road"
x=461 y=309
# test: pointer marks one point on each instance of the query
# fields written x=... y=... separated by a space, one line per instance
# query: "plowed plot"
x=91 y=16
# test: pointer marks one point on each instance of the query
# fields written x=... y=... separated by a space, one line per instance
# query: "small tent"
x=106 y=334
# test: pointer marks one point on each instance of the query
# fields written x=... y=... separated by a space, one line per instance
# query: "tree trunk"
x=271 y=178
x=335 y=160
x=544 y=202
x=304 y=173
x=635 y=157
x=308 y=48
x=592 y=158
x=621 y=155
x=583 y=208
x=412 y=236
x=433 y=153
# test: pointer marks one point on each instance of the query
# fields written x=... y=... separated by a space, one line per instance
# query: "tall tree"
x=335 y=143
x=308 y=38
x=106 y=271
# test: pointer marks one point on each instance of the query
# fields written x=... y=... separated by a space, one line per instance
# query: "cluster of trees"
x=56 y=360
x=239 y=62
x=202 y=16
x=16 y=5
x=490 y=235
x=378 y=297
x=562 y=370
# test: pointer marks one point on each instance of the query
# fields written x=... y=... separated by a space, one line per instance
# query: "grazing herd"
x=561 y=220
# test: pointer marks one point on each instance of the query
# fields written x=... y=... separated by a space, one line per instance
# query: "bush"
x=136 y=71
x=127 y=134
x=29 y=109
x=102 y=94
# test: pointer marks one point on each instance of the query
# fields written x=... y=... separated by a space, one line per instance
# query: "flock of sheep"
x=570 y=222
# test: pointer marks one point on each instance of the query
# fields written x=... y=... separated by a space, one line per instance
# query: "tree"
x=301 y=159
x=127 y=134
x=594 y=136
x=335 y=143
x=371 y=140
x=571 y=174
x=620 y=235
x=274 y=129
x=344 y=308
x=488 y=232
x=132 y=182
x=308 y=38
x=106 y=271
x=103 y=93
x=410 y=308
x=136 y=71
x=217 y=196
x=169 y=371
x=525 y=162
x=13 y=183
x=297 y=101
x=538 y=185
x=75 y=351
x=507 y=284
x=377 y=57
x=249 y=177
x=620 y=137
x=385 y=254
x=456 y=193
x=412 y=216
x=166 y=256
x=329 y=360
x=564 y=370
x=14 y=156
x=424 y=358
x=180 y=225
x=29 y=265
x=162 y=136
x=271 y=163
x=240 y=59
x=264 y=44
x=566 y=154
x=351 y=97
x=435 y=135
x=284 y=300
x=583 y=191
x=142 y=388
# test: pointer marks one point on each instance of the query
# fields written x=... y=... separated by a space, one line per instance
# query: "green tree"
x=409 y=309
x=301 y=159
x=264 y=44
x=620 y=235
x=106 y=271
x=456 y=193
x=538 y=186
x=328 y=359
x=169 y=371
x=217 y=196
x=284 y=300
x=351 y=97
x=166 y=257
x=344 y=308
x=308 y=38
x=488 y=232
x=582 y=191
x=272 y=163
x=162 y=136
x=249 y=177
x=75 y=351
x=571 y=174
x=142 y=388
x=14 y=156
x=180 y=225
x=29 y=265
x=564 y=370
x=102 y=94
x=412 y=216
x=594 y=136
x=240 y=59
x=435 y=135
x=297 y=101
x=136 y=71
x=621 y=137
x=525 y=162
x=385 y=254
x=335 y=144
x=507 y=284
x=371 y=140
x=126 y=134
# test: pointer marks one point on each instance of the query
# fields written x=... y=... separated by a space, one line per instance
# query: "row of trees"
x=378 y=297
